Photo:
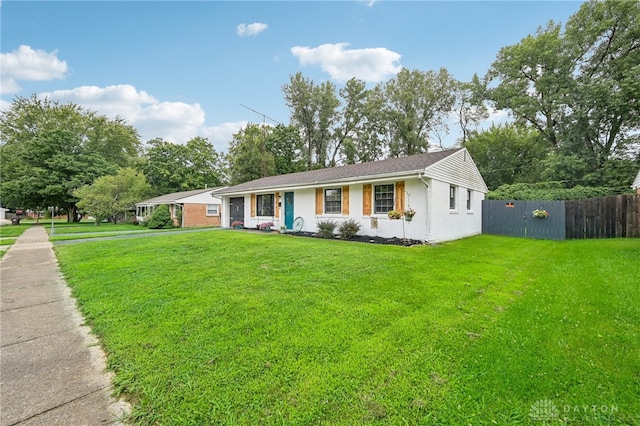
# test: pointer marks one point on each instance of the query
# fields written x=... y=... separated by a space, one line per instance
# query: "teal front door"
x=288 y=210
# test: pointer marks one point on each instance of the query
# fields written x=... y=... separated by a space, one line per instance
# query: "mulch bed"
x=406 y=242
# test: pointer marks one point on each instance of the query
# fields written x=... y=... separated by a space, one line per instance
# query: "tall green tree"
x=416 y=104
x=110 y=196
x=49 y=149
x=354 y=122
x=578 y=87
x=508 y=154
x=248 y=156
x=314 y=111
x=173 y=167
x=285 y=145
x=470 y=107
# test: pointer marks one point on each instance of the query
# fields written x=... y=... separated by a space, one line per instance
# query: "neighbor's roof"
x=390 y=166
x=176 y=196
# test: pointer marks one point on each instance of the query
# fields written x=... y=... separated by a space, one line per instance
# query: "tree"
x=49 y=149
x=469 y=107
x=172 y=167
x=109 y=196
x=416 y=103
x=534 y=80
x=355 y=122
x=578 y=87
x=507 y=154
x=285 y=145
x=313 y=111
x=248 y=157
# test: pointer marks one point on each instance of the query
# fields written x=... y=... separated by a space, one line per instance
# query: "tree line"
x=572 y=92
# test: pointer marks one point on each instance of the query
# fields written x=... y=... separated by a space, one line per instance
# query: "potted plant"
x=283 y=229
x=266 y=226
x=540 y=213
x=237 y=224
x=394 y=214
x=409 y=214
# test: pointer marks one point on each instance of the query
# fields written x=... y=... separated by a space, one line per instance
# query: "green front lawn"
x=240 y=328
x=10 y=233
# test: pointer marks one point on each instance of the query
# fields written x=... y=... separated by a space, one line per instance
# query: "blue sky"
x=177 y=70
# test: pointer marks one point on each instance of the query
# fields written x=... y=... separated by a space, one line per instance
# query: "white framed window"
x=265 y=204
x=213 y=209
x=469 y=199
x=452 y=197
x=333 y=200
x=383 y=198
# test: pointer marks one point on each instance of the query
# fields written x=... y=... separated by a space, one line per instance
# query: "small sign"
x=374 y=223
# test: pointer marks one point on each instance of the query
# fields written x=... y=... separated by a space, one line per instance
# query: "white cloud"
x=222 y=134
x=342 y=64
x=172 y=121
x=26 y=63
x=256 y=28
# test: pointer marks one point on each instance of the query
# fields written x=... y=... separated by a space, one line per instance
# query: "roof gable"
x=372 y=169
x=458 y=169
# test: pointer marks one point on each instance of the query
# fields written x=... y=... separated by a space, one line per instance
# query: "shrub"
x=349 y=228
x=549 y=191
x=161 y=218
x=326 y=228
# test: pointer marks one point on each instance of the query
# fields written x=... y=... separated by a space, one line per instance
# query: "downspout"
x=426 y=185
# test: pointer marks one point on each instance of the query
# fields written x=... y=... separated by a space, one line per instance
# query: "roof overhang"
x=411 y=174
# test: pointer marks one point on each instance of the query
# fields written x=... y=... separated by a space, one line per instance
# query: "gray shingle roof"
x=331 y=174
x=173 y=197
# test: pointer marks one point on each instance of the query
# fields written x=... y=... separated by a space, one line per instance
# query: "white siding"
x=447 y=224
x=433 y=222
x=204 y=198
x=636 y=182
x=458 y=169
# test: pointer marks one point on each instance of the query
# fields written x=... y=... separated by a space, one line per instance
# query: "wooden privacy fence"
x=616 y=216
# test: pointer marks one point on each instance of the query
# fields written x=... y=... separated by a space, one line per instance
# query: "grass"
x=78 y=231
x=10 y=233
x=240 y=328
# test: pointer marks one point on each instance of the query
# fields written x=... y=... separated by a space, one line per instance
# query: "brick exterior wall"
x=196 y=215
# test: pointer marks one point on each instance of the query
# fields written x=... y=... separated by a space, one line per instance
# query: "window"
x=383 y=198
x=212 y=210
x=469 y=199
x=452 y=197
x=333 y=200
x=265 y=204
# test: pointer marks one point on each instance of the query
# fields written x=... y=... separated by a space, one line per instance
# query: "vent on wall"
x=374 y=223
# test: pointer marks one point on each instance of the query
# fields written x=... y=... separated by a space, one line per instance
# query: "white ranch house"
x=444 y=188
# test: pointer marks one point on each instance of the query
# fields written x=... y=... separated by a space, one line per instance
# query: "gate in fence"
x=616 y=216
x=516 y=219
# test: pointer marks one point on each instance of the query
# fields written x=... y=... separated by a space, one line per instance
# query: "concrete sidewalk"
x=52 y=371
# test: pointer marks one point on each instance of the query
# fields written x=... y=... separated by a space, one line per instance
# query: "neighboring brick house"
x=445 y=189
x=200 y=207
